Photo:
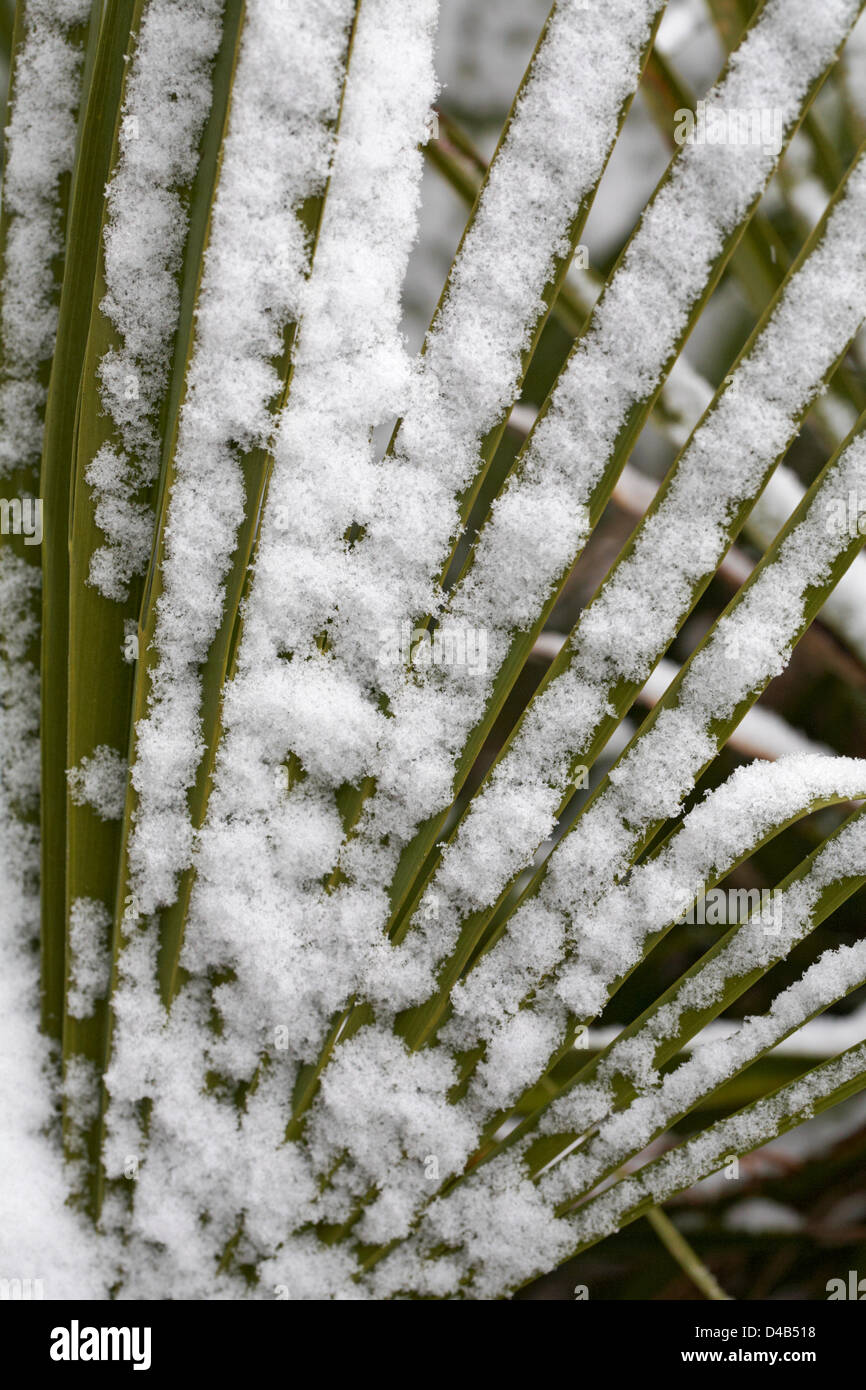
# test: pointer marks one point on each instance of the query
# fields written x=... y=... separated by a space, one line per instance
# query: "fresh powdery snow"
x=490 y=1258
x=166 y=103
x=750 y=645
x=706 y=1152
x=40 y=147
x=509 y=1231
x=541 y=520
x=351 y=358
x=100 y=781
x=845 y=609
x=305 y=1068
x=622 y=633
x=90 y=959
x=254 y=278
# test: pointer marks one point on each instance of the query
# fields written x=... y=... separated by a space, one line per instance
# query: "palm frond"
x=347 y=888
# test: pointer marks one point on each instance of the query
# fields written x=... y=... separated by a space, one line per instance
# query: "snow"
x=750 y=644
x=660 y=1102
x=89 y=956
x=252 y=288
x=166 y=102
x=685 y=396
x=350 y=370
x=258 y=1103
x=510 y=1231
x=845 y=609
x=644 y=600
x=703 y=1154
x=100 y=781
x=296 y=954
x=40 y=143
x=541 y=520
x=761 y=733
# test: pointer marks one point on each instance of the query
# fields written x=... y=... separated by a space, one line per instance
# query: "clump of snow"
x=498 y=1233
x=89 y=956
x=100 y=781
x=310 y=676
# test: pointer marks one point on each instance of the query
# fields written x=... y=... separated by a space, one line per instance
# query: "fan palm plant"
x=330 y=826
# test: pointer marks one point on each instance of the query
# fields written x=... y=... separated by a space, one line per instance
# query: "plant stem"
x=677 y=1245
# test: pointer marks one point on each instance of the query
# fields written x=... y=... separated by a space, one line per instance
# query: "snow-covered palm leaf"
x=330 y=893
